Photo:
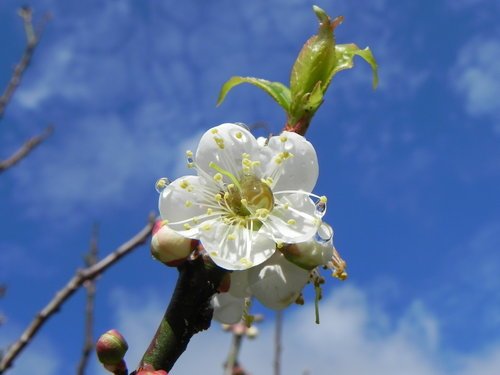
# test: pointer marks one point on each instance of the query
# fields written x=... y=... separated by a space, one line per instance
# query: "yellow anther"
x=190 y=165
x=283 y=138
x=262 y=213
x=213 y=253
x=196 y=220
x=255 y=163
x=219 y=141
x=218 y=197
x=184 y=184
x=245 y=155
x=247 y=162
x=278 y=160
x=239 y=135
x=209 y=211
x=244 y=202
x=218 y=177
x=230 y=187
x=187 y=226
x=189 y=153
x=285 y=155
x=286 y=206
x=280 y=244
x=231 y=237
x=323 y=199
x=291 y=222
x=206 y=227
x=246 y=262
x=214 y=131
x=226 y=195
x=188 y=204
x=164 y=222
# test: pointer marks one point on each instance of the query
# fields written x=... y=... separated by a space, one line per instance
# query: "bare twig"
x=234 y=351
x=32 y=39
x=71 y=287
x=277 y=342
x=25 y=149
x=88 y=345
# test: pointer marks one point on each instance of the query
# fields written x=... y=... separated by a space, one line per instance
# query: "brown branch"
x=88 y=345
x=188 y=313
x=277 y=342
x=32 y=39
x=71 y=287
x=25 y=149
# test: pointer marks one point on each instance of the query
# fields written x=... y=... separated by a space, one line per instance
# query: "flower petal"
x=227 y=309
x=299 y=172
x=224 y=146
x=184 y=204
x=239 y=284
x=234 y=247
x=294 y=218
x=277 y=282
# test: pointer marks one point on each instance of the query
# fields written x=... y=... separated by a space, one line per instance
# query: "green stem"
x=188 y=313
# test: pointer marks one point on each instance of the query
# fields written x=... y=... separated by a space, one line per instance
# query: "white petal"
x=227 y=309
x=233 y=247
x=294 y=218
x=224 y=146
x=299 y=172
x=239 y=284
x=184 y=204
x=277 y=282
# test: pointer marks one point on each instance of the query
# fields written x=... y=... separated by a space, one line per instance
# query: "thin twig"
x=234 y=351
x=25 y=149
x=277 y=342
x=71 y=287
x=88 y=345
x=32 y=40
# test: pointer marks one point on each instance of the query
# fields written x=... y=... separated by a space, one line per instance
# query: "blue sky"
x=412 y=172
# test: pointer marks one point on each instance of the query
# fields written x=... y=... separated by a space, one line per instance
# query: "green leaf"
x=316 y=58
x=278 y=91
x=345 y=59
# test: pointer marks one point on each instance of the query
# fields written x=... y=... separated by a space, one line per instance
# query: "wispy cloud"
x=40 y=356
x=356 y=336
x=476 y=76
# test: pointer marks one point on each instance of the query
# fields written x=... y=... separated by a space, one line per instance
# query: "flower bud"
x=252 y=332
x=308 y=255
x=169 y=247
x=111 y=348
x=277 y=283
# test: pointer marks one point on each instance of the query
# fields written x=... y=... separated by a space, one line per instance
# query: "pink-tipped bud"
x=111 y=348
x=169 y=247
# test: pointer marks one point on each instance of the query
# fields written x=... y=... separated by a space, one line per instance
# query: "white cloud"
x=476 y=76
x=355 y=337
x=39 y=356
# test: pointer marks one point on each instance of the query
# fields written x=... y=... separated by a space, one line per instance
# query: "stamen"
x=225 y=173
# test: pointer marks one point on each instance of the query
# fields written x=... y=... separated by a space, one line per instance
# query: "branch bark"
x=88 y=345
x=188 y=313
x=32 y=40
x=71 y=287
x=25 y=149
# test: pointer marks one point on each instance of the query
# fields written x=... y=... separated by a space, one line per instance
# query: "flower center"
x=247 y=196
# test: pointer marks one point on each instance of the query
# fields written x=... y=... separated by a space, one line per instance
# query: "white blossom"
x=248 y=196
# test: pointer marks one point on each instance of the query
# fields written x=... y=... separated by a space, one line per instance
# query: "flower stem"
x=188 y=313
